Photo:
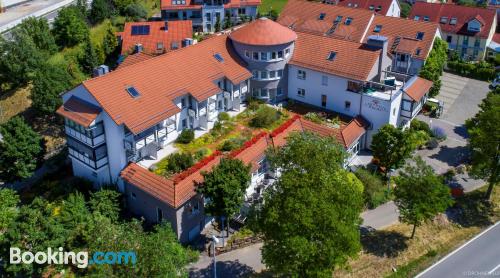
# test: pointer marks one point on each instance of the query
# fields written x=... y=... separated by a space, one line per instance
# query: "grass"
x=268 y=5
x=14 y=103
x=391 y=248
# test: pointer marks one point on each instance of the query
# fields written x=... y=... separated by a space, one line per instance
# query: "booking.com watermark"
x=79 y=259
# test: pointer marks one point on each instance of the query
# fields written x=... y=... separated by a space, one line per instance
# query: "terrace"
x=384 y=91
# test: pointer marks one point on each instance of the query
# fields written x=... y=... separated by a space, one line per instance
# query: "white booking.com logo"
x=80 y=259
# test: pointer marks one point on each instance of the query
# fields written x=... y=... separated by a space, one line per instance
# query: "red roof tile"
x=352 y=60
x=354 y=130
x=263 y=32
x=79 y=111
x=191 y=70
x=378 y=6
x=463 y=15
x=177 y=31
x=496 y=38
x=134 y=59
x=418 y=88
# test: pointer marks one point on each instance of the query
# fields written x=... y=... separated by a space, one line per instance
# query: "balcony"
x=89 y=161
x=382 y=91
x=93 y=136
x=92 y=157
x=147 y=143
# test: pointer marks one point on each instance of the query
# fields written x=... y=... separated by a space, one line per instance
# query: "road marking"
x=458 y=249
x=493 y=270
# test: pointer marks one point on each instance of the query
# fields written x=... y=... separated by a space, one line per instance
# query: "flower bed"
x=200 y=164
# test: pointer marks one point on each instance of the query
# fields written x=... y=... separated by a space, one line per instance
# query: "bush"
x=201 y=153
x=439 y=133
x=186 y=136
x=418 y=125
x=374 y=192
x=418 y=138
x=432 y=144
x=228 y=145
x=264 y=117
x=254 y=104
x=314 y=117
x=136 y=11
x=223 y=116
x=178 y=162
x=481 y=71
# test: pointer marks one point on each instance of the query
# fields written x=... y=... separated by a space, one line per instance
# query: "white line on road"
x=458 y=249
x=493 y=270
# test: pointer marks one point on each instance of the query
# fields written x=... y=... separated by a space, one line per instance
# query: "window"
x=379 y=8
x=241 y=10
x=465 y=42
x=263 y=74
x=279 y=91
x=264 y=93
x=133 y=196
x=324 y=80
x=448 y=39
x=348 y=21
x=255 y=74
x=263 y=56
x=138 y=30
x=272 y=74
x=132 y=92
x=218 y=57
x=183 y=103
x=262 y=167
x=453 y=21
x=353 y=86
x=420 y=36
x=247 y=54
x=323 y=100
x=280 y=54
x=159 y=46
x=255 y=92
x=338 y=19
x=331 y=56
x=477 y=42
x=426 y=18
x=280 y=73
x=273 y=55
x=377 y=28
x=394 y=111
x=372 y=7
x=287 y=52
x=174 y=45
x=347 y=105
x=321 y=16
x=444 y=19
x=301 y=74
x=256 y=56
x=159 y=214
x=416 y=18
x=406 y=105
x=184 y=123
x=301 y=92
x=418 y=51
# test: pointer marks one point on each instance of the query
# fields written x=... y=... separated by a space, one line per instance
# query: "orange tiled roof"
x=352 y=60
x=134 y=59
x=79 y=111
x=177 y=31
x=463 y=15
x=406 y=30
x=263 y=32
x=378 y=6
x=196 y=5
x=354 y=130
x=418 y=88
x=303 y=16
x=159 y=80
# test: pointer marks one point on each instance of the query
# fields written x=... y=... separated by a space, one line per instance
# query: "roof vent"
x=100 y=71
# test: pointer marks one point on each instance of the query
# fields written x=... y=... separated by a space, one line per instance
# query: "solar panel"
x=218 y=57
x=140 y=30
x=133 y=91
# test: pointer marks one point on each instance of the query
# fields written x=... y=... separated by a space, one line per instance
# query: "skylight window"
x=420 y=36
x=444 y=19
x=418 y=51
x=331 y=56
x=321 y=16
x=426 y=18
x=348 y=21
x=416 y=18
x=140 y=30
x=377 y=28
x=372 y=8
x=338 y=19
x=132 y=92
x=453 y=21
x=218 y=57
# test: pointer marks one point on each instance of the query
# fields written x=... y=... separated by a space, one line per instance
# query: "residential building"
x=205 y=13
x=119 y=123
x=382 y=7
x=409 y=42
x=155 y=37
x=467 y=30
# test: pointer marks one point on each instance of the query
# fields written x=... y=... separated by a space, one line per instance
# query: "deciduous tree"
x=9 y=201
x=39 y=31
x=48 y=84
x=420 y=194
x=89 y=58
x=309 y=217
x=391 y=146
x=70 y=27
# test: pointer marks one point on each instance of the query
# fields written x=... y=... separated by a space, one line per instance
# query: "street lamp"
x=215 y=240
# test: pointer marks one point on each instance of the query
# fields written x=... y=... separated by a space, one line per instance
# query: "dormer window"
x=474 y=26
x=444 y=19
x=453 y=21
x=348 y=21
x=420 y=36
x=372 y=7
x=321 y=16
x=377 y=28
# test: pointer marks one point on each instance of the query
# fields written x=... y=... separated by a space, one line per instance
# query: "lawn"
x=268 y=5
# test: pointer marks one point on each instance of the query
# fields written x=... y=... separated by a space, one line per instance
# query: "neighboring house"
x=409 y=42
x=467 y=30
x=117 y=123
x=155 y=37
x=383 y=7
x=494 y=46
x=205 y=13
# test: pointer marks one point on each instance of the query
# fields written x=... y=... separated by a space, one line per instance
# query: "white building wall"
x=115 y=136
x=394 y=9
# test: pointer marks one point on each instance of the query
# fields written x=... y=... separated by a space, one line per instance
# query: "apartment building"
x=119 y=122
x=382 y=7
x=206 y=13
x=467 y=30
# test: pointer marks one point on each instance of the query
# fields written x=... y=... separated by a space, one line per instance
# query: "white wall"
x=394 y=9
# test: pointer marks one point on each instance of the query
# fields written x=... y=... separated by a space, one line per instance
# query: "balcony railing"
x=91 y=141
x=86 y=159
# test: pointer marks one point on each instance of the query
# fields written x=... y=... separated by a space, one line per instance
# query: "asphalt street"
x=479 y=257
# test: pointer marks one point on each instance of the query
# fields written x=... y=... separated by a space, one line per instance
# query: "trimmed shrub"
x=417 y=125
x=374 y=192
x=201 y=153
x=432 y=144
x=228 y=146
x=186 y=136
x=178 y=162
x=264 y=117
x=439 y=133
x=223 y=116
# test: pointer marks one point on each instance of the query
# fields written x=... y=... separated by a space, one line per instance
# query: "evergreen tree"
x=89 y=59
x=99 y=11
x=109 y=42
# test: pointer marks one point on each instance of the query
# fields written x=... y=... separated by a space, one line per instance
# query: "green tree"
x=405 y=9
x=420 y=194
x=99 y=11
x=109 y=43
x=310 y=216
x=106 y=202
x=8 y=210
x=217 y=25
x=136 y=11
x=122 y=5
x=48 y=84
x=20 y=150
x=70 y=27
x=225 y=186
x=20 y=59
x=39 y=31
x=433 y=67
x=89 y=58
x=82 y=7
x=391 y=146
x=484 y=141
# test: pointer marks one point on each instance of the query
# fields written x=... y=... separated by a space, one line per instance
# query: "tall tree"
x=20 y=150
x=433 y=67
x=99 y=11
x=39 y=31
x=484 y=141
x=70 y=27
x=89 y=58
x=9 y=201
x=106 y=202
x=309 y=218
x=109 y=42
x=48 y=84
x=225 y=186
x=420 y=194
x=391 y=146
x=217 y=25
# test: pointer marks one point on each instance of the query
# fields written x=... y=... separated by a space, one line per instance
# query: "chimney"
x=380 y=42
x=165 y=28
x=100 y=71
x=137 y=48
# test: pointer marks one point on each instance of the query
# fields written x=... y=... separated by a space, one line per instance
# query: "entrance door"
x=323 y=100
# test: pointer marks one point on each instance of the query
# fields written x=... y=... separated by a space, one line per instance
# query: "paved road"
x=479 y=257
